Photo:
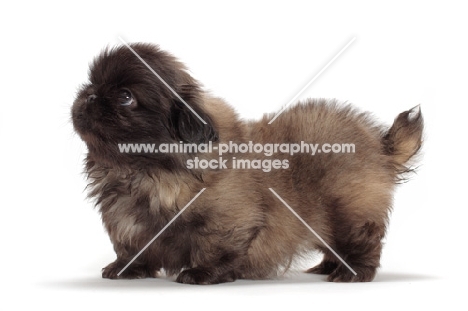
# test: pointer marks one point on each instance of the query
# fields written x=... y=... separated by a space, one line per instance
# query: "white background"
x=257 y=57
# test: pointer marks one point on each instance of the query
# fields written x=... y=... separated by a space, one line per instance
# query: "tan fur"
x=237 y=228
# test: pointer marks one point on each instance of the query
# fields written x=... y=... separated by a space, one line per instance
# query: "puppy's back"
x=345 y=194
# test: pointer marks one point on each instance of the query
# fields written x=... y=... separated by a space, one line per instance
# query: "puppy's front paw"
x=325 y=267
x=343 y=274
x=132 y=272
x=204 y=277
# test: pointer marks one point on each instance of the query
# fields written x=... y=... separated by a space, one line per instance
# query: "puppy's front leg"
x=137 y=270
x=134 y=271
x=219 y=248
x=221 y=271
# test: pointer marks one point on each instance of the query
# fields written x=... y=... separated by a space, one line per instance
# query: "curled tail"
x=404 y=139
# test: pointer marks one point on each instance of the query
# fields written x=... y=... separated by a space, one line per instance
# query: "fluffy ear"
x=188 y=127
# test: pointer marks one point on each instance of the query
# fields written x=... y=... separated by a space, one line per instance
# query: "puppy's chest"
x=134 y=204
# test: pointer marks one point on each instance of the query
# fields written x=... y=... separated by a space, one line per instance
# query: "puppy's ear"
x=187 y=126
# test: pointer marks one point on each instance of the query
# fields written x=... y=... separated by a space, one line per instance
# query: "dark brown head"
x=125 y=102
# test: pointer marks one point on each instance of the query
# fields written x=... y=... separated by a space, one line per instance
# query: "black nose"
x=91 y=99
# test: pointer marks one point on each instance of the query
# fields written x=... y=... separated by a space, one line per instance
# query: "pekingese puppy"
x=239 y=226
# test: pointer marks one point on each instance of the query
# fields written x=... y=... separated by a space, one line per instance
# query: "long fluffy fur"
x=236 y=228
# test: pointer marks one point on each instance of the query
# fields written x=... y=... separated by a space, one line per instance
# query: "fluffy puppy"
x=236 y=228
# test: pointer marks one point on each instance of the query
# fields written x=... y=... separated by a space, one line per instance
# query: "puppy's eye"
x=125 y=98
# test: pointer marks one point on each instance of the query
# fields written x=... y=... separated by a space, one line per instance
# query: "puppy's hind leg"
x=361 y=251
x=358 y=229
x=358 y=252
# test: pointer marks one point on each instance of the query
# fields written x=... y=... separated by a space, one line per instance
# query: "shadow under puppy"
x=236 y=228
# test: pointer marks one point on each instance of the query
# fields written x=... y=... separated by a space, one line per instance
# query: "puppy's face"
x=125 y=102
